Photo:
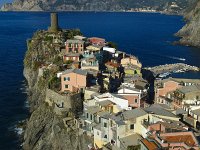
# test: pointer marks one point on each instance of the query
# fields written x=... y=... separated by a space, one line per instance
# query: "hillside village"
x=101 y=91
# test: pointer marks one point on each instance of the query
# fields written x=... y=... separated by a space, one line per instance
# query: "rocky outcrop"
x=190 y=33
x=45 y=129
x=165 y=6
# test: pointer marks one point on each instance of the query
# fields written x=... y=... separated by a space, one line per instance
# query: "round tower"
x=54 y=23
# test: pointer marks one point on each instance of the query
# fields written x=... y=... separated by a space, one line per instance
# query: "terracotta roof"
x=115 y=65
x=187 y=139
x=150 y=144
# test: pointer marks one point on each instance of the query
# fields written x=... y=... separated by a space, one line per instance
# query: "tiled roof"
x=129 y=88
x=196 y=112
x=197 y=81
x=132 y=114
x=158 y=110
x=151 y=145
x=171 y=124
x=75 y=41
x=189 y=89
x=115 y=65
x=105 y=103
x=77 y=71
x=131 y=140
x=104 y=114
x=93 y=109
x=117 y=96
x=118 y=119
x=180 y=111
x=188 y=139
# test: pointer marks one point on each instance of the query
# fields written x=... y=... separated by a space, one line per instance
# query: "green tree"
x=112 y=44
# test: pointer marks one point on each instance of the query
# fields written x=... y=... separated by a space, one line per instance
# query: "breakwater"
x=165 y=70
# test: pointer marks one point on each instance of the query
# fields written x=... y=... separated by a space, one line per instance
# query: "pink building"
x=134 y=96
x=74 y=46
x=97 y=41
x=73 y=80
x=163 y=87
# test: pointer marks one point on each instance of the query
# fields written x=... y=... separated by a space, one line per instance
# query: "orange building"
x=163 y=87
x=74 y=46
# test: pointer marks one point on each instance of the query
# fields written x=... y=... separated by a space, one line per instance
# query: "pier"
x=165 y=70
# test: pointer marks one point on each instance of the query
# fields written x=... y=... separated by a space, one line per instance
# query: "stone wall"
x=72 y=102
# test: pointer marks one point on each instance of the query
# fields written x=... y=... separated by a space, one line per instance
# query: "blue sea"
x=149 y=36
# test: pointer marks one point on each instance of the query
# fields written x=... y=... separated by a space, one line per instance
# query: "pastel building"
x=97 y=41
x=75 y=57
x=135 y=97
x=163 y=87
x=130 y=61
x=90 y=63
x=74 y=46
x=187 y=95
x=74 y=80
x=116 y=129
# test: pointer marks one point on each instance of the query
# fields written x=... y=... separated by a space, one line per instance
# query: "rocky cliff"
x=45 y=129
x=165 y=6
x=190 y=33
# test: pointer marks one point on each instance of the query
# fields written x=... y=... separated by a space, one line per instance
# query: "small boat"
x=183 y=59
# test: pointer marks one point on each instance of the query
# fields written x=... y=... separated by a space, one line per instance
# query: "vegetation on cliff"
x=45 y=129
x=190 y=33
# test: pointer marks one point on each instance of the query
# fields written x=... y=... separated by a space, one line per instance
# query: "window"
x=105 y=125
x=99 y=119
x=66 y=86
x=66 y=78
x=136 y=100
x=197 y=97
x=87 y=115
x=97 y=132
x=90 y=117
x=132 y=126
x=105 y=136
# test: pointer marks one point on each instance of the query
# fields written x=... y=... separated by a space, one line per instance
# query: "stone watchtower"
x=54 y=23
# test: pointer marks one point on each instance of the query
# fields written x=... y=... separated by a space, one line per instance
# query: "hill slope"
x=166 y=6
x=190 y=33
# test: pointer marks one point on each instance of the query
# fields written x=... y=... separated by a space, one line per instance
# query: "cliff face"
x=166 y=6
x=45 y=129
x=190 y=33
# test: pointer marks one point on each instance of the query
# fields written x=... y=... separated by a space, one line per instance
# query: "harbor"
x=163 y=71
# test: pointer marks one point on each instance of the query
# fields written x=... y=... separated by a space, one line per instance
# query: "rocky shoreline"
x=163 y=6
x=190 y=33
x=44 y=128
